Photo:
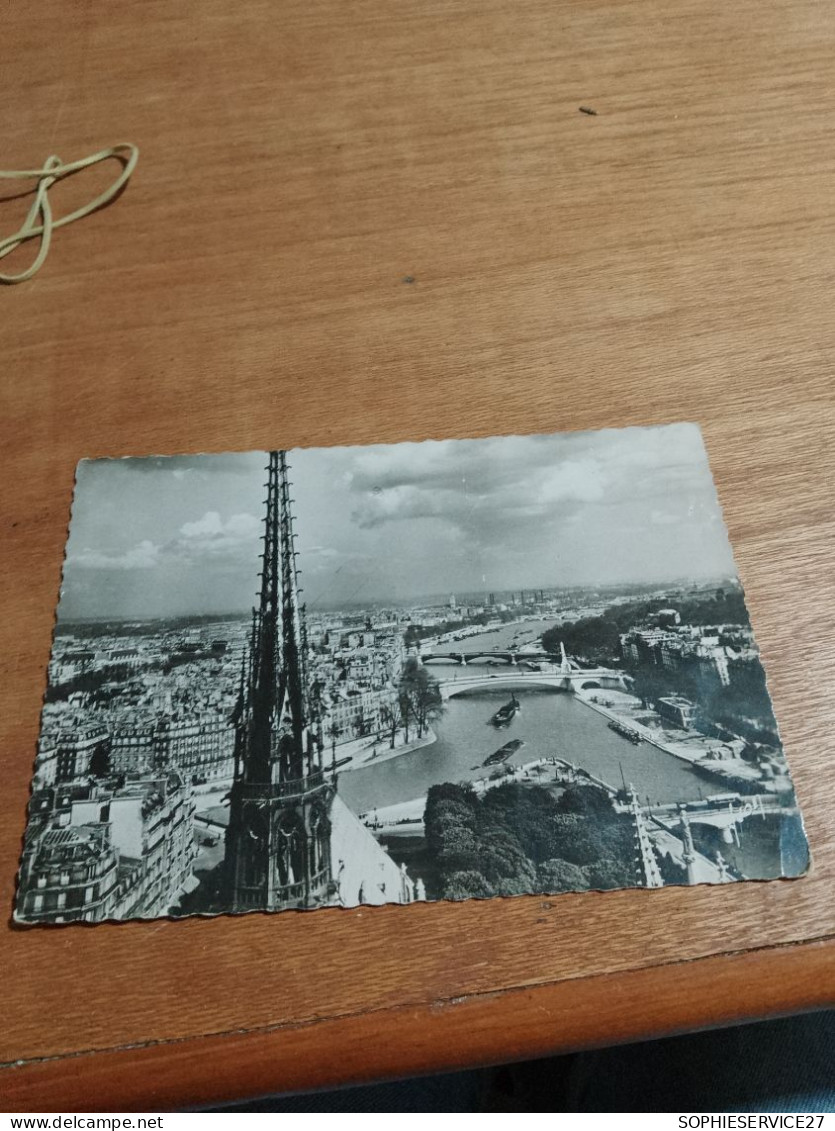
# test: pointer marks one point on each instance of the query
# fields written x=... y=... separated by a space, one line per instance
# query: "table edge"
x=477 y=1030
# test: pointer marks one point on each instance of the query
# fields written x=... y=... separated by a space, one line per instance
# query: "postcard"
x=459 y=669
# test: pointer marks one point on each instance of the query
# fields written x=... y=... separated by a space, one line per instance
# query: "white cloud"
x=582 y=480
x=483 y=485
x=211 y=536
x=243 y=526
x=210 y=524
x=145 y=555
x=323 y=552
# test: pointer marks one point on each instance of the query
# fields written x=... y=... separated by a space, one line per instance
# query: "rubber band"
x=39 y=222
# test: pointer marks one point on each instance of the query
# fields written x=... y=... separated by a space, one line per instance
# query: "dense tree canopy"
x=598 y=638
x=558 y=875
x=608 y=873
x=466 y=885
x=519 y=839
x=594 y=637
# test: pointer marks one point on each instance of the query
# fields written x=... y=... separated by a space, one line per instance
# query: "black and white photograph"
x=446 y=670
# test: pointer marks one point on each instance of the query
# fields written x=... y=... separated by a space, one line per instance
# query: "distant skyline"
x=167 y=536
x=437 y=601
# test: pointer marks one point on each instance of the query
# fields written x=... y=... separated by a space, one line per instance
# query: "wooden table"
x=670 y=258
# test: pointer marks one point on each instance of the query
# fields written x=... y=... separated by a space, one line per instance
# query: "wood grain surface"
x=670 y=258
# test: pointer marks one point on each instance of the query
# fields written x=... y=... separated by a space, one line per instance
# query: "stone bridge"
x=516 y=680
x=489 y=656
x=726 y=817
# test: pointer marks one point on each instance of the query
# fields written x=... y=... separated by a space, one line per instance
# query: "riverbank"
x=384 y=753
x=405 y=818
x=694 y=748
x=457 y=642
x=644 y=732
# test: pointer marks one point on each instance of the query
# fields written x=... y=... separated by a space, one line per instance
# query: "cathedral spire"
x=278 y=740
x=277 y=843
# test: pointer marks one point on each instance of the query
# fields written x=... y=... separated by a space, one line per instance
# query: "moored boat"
x=504 y=752
x=626 y=732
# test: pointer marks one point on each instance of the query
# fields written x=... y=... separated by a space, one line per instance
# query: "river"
x=549 y=723
x=503 y=636
x=556 y=723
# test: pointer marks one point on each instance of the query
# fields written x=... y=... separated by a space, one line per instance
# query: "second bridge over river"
x=522 y=669
x=515 y=679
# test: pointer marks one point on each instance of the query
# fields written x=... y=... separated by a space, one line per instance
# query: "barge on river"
x=626 y=732
x=505 y=715
x=504 y=752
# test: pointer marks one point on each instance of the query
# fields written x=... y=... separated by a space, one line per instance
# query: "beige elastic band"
x=39 y=221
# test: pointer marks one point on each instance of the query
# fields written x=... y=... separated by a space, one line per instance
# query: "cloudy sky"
x=176 y=535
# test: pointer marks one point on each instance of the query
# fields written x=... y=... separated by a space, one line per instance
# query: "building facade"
x=69 y=874
x=202 y=745
x=107 y=850
x=80 y=752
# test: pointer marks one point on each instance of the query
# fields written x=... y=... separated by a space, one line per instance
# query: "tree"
x=557 y=875
x=445 y=824
x=461 y=847
x=502 y=857
x=430 y=704
x=390 y=718
x=572 y=837
x=587 y=801
x=450 y=820
x=359 y=722
x=527 y=810
x=419 y=696
x=609 y=872
x=467 y=885
x=595 y=637
x=404 y=707
x=650 y=684
x=333 y=732
x=515 y=885
x=518 y=839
